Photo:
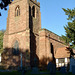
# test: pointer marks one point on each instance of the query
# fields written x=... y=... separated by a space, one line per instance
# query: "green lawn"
x=28 y=73
x=10 y=73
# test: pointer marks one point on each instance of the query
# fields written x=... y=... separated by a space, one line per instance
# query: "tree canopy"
x=69 y=37
x=1 y=39
x=4 y=4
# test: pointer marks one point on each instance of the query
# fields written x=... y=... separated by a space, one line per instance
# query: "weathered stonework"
x=26 y=29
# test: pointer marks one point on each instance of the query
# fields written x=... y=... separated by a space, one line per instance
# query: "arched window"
x=17 y=11
x=30 y=18
x=16 y=48
x=33 y=11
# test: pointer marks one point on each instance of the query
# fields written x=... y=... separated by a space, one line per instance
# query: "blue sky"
x=53 y=17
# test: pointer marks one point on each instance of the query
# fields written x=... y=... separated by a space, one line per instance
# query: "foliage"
x=69 y=38
x=4 y=4
x=1 y=39
x=70 y=13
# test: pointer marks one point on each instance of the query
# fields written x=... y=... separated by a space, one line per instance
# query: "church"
x=25 y=35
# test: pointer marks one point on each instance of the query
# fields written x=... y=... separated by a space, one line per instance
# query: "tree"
x=4 y=4
x=69 y=38
x=1 y=39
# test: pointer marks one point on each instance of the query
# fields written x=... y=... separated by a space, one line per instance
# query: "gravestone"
x=48 y=66
x=21 y=60
x=35 y=69
x=52 y=68
x=73 y=69
x=72 y=65
x=21 y=68
x=63 y=70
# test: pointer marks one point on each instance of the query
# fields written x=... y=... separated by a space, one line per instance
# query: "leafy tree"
x=69 y=38
x=1 y=39
x=4 y=4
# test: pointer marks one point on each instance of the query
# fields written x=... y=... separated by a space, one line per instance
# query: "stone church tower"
x=24 y=35
x=23 y=25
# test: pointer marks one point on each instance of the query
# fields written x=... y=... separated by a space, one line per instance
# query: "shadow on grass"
x=28 y=73
x=10 y=73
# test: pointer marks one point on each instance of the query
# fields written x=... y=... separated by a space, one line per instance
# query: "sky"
x=53 y=17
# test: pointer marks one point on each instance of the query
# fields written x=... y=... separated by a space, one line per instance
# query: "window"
x=61 y=60
x=57 y=61
x=16 y=48
x=33 y=11
x=30 y=20
x=17 y=11
x=57 y=65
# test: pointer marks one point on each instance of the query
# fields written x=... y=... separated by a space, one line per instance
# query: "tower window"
x=17 y=11
x=16 y=48
x=33 y=11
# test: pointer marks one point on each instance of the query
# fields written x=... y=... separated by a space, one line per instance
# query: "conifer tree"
x=70 y=28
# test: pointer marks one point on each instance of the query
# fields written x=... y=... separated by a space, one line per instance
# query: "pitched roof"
x=62 y=53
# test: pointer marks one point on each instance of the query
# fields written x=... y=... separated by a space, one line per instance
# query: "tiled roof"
x=62 y=53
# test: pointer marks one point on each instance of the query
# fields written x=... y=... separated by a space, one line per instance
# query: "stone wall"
x=35 y=21
x=23 y=39
x=48 y=43
x=17 y=29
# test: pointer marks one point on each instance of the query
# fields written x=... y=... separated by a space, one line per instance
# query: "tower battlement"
x=34 y=1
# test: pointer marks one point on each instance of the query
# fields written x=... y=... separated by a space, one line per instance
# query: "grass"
x=10 y=73
x=28 y=73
